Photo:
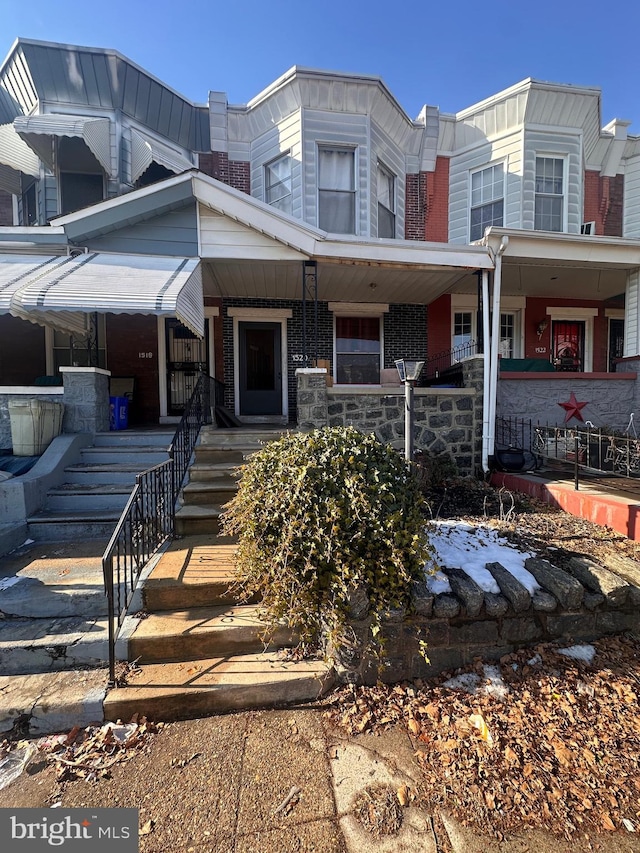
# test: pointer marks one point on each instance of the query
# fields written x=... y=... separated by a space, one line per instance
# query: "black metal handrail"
x=442 y=362
x=148 y=518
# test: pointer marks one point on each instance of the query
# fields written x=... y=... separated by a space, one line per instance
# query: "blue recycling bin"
x=118 y=413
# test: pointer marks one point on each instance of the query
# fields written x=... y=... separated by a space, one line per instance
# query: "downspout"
x=495 y=340
x=486 y=371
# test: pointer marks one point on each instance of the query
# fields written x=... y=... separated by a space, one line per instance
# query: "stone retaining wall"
x=446 y=420
x=579 y=605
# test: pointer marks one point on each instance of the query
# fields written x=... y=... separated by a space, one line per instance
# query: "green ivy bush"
x=324 y=519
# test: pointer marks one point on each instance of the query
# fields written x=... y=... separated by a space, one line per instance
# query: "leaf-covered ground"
x=559 y=749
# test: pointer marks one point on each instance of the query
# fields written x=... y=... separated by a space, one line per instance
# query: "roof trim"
x=579 y=250
x=145 y=150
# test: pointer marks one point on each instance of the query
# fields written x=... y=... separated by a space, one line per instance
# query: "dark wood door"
x=260 y=368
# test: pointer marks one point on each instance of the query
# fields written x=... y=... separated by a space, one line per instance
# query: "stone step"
x=202 y=632
x=192 y=520
x=247 y=437
x=50 y=645
x=206 y=472
x=180 y=691
x=86 y=496
x=99 y=473
x=195 y=572
x=233 y=455
x=148 y=438
x=142 y=456
x=63 y=526
x=219 y=492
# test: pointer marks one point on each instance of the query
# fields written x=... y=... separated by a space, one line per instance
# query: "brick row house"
x=317 y=221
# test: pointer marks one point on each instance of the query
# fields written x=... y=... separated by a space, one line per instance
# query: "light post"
x=409 y=372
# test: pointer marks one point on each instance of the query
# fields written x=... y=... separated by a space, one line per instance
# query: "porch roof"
x=94 y=132
x=572 y=266
x=62 y=292
x=15 y=158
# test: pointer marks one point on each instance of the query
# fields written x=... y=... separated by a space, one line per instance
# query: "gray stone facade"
x=446 y=420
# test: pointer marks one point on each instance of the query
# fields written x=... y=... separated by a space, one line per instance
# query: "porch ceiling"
x=346 y=282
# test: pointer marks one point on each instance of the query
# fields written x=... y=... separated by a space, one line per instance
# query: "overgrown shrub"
x=323 y=519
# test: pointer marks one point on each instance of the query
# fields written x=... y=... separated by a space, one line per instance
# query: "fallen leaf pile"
x=90 y=753
x=378 y=809
x=561 y=752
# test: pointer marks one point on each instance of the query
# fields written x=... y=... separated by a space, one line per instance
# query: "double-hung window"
x=358 y=350
x=386 y=202
x=336 y=190
x=487 y=199
x=277 y=183
x=549 y=194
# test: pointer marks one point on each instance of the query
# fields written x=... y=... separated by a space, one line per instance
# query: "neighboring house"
x=316 y=221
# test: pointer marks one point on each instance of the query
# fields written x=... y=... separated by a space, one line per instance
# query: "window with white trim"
x=464 y=334
x=277 y=183
x=487 y=199
x=386 y=184
x=358 y=343
x=336 y=190
x=549 y=199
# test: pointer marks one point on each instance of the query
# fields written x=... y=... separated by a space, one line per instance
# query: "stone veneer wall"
x=86 y=399
x=582 y=604
x=446 y=420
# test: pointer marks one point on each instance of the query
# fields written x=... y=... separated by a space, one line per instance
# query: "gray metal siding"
x=175 y=233
x=539 y=143
x=336 y=129
x=286 y=136
x=48 y=200
x=385 y=151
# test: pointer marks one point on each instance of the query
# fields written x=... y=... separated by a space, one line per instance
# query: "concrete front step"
x=194 y=520
x=232 y=455
x=203 y=632
x=209 y=471
x=147 y=437
x=180 y=691
x=73 y=525
x=142 y=456
x=241 y=436
x=193 y=572
x=102 y=473
x=88 y=496
x=48 y=645
x=219 y=492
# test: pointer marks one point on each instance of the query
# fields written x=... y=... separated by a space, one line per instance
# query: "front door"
x=187 y=355
x=260 y=368
x=567 y=337
x=616 y=341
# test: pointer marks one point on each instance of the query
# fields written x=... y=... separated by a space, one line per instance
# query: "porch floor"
x=608 y=501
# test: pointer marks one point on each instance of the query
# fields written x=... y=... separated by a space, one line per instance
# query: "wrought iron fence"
x=148 y=518
x=583 y=448
x=443 y=364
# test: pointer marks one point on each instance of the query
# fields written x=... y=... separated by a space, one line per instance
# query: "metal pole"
x=575 y=472
x=408 y=421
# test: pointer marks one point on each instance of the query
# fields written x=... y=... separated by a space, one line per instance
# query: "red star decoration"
x=573 y=407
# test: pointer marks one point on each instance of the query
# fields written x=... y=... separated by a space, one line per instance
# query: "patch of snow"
x=438 y=583
x=584 y=653
x=535 y=660
x=462 y=546
x=470 y=682
x=5 y=583
x=27 y=542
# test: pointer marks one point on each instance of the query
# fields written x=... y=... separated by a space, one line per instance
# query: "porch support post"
x=309 y=292
x=494 y=345
x=486 y=367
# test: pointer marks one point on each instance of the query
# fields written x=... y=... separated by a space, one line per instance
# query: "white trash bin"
x=34 y=425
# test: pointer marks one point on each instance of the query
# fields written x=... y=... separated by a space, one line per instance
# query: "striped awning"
x=63 y=292
x=145 y=151
x=15 y=158
x=37 y=132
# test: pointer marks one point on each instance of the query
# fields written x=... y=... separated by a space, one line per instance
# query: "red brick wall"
x=235 y=173
x=426 y=214
x=437 y=224
x=127 y=337
x=22 y=351
x=6 y=208
x=439 y=326
x=603 y=199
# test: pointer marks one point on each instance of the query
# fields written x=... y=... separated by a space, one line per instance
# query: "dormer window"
x=487 y=200
x=277 y=183
x=386 y=182
x=336 y=190
x=549 y=194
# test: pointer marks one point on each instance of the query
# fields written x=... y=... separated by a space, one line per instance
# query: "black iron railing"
x=148 y=519
x=582 y=448
x=445 y=363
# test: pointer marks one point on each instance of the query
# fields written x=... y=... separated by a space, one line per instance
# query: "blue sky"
x=448 y=54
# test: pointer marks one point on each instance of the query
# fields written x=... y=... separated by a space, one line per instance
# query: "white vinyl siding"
x=631 y=216
x=632 y=315
x=508 y=151
x=277 y=179
x=285 y=137
x=384 y=151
